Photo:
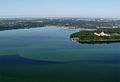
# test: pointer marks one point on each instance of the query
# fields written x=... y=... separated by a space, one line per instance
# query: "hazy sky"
x=60 y=8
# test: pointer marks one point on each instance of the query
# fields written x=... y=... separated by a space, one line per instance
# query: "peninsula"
x=105 y=35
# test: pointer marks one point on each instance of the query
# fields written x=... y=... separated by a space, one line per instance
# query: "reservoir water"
x=46 y=54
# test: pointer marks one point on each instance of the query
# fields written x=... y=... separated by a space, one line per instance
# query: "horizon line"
x=60 y=17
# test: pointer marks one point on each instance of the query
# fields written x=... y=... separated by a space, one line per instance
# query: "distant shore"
x=72 y=28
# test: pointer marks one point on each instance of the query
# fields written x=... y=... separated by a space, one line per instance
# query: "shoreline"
x=73 y=28
x=95 y=41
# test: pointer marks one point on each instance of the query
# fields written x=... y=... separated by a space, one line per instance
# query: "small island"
x=107 y=35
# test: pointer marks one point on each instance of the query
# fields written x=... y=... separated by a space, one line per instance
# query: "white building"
x=101 y=34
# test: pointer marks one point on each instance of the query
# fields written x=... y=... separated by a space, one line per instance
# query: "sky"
x=60 y=8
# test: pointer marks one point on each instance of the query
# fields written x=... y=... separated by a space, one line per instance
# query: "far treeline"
x=22 y=25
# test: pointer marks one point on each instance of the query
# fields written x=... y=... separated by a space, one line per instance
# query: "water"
x=47 y=54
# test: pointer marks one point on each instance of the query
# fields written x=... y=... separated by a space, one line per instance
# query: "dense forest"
x=88 y=36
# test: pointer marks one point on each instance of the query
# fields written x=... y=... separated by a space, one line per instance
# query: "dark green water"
x=48 y=55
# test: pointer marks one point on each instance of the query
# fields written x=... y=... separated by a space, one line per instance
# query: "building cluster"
x=101 y=34
x=118 y=26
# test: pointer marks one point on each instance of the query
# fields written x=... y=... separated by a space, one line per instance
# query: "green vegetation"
x=20 y=25
x=89 y=37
